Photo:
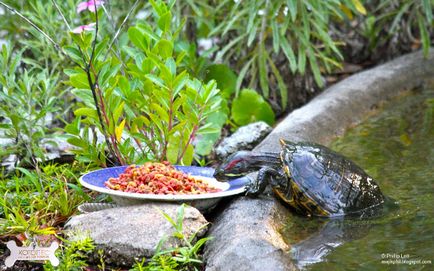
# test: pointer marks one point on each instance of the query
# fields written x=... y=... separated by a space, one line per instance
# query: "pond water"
x=396 y=147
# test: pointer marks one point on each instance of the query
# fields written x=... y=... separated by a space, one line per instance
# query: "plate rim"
x=226 y=193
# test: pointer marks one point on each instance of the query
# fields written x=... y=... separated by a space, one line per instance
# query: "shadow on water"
x=396 y=147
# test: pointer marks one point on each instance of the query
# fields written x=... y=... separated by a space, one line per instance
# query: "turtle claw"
x=257 y=185
x=253 y=189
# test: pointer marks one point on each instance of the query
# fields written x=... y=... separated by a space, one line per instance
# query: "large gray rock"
x=245 y=138
x=133 y=232
x=245 y=238
x=328 y=115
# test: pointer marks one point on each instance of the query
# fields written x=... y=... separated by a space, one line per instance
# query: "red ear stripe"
x=233 y=163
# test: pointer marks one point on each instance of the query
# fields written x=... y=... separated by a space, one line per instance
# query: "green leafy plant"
x=249 y=107
x=408 y=23
x=226 y=79
x=145 y=106
x=184 y=257
x=37 y=201
x=73 y=253
x=269 y=42
x=27 y=95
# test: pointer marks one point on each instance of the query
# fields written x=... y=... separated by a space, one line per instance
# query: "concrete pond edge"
x=245 y=235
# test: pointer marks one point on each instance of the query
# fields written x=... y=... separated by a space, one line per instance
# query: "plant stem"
x=139 y=144
x=192 y=135
x=61 y=14
x=169 y=125
x=94 y=87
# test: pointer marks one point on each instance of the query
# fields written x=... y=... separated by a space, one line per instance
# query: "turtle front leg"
x=265 y=175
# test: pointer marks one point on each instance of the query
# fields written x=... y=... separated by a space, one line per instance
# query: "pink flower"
x=81 y=28
x=89 y=5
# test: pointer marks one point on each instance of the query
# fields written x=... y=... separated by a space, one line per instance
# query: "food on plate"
x=160 y=179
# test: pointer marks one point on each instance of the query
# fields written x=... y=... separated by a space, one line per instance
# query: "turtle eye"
x=233 y=164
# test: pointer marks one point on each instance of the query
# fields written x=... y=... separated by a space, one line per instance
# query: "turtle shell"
x=325 y=183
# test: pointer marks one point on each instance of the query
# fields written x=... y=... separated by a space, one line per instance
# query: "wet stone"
x=245 y=237
x=245 y=138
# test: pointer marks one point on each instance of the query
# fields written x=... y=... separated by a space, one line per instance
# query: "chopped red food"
x=160 y=179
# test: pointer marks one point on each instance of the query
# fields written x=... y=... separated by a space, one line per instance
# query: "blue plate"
x=95 y=180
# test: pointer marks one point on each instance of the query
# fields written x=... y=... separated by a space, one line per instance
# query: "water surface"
x=396 y=147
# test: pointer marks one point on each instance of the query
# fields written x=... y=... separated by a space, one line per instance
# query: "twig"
x=112 y=23
x=61 y=14
x=94 y=40
x=93 y=87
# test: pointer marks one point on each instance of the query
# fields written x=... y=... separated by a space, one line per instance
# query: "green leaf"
x=85 y=95
x=292 y=6
x=173 y=147
x=250 y=107
x=228 y=46
x=180 y=217
x=156 y=80
x=164 y=48
x=315 y=68
x=164 y=22
x=163 y=115
x=276 y=41
x=117 y=113
x=232 y=20
x=75 y=141
x=252 y=35
x=242 y=75
x=424 y=36
x=74 y=53
x=281 y=84
x=188 y=155
x=137 y=38
x=289 y=53
x=73 y=128
x=226 y=79
x=86 y=112
x=148 y=32
x=79 y=81
x=179 y=82
x=301 y=60
x=171 y=65
x=326 y=39
x=205 y=142
x=263 y=72
x=427 y=7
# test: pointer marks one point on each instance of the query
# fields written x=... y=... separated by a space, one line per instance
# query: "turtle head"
x=243 y=162
x=235 y=165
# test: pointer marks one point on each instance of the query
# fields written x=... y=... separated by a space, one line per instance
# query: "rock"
x=133 y=232
x=245 y=138
x=5 y=141
x=57 y=144
x=246 y=238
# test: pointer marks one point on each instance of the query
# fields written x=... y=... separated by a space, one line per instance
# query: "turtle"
x=310 y=178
